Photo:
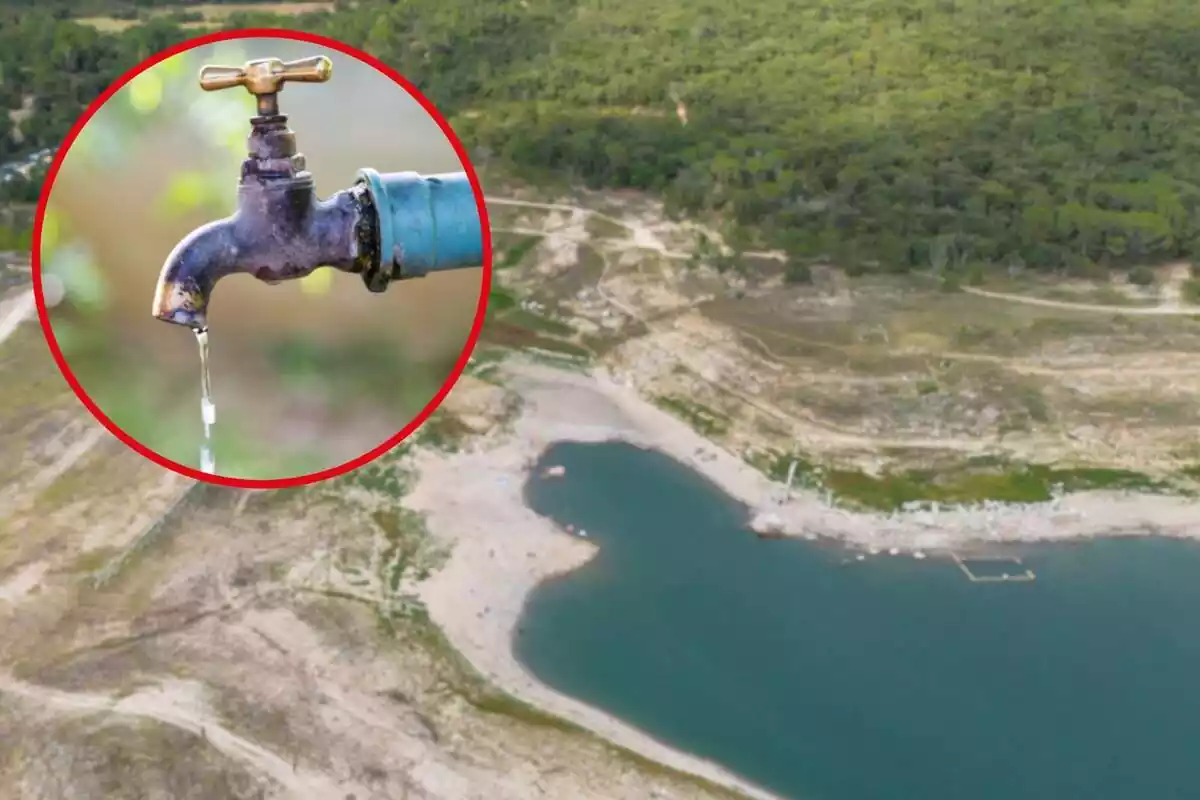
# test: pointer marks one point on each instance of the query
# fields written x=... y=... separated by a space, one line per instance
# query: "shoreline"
x=473 y=500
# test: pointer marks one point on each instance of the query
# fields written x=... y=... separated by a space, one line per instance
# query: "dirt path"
x=1066 y=305
x=642 y=235
x=71 y=455
x=14 y=312
x=73 y=441
x=180 y=705
x=1022 y=366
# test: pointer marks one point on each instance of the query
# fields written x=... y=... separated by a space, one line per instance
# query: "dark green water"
x=890 y=678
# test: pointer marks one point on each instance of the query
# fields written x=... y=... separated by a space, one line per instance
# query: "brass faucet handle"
x=266 y=75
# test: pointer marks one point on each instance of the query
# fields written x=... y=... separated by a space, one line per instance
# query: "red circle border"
x=331 y=472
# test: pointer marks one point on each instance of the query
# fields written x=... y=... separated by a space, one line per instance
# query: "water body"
x=889 y=678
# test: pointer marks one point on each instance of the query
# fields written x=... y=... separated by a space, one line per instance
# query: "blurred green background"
x=306 y=374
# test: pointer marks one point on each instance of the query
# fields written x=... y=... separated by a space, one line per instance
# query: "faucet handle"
x=264 y=78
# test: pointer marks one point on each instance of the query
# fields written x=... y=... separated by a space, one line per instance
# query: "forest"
x=876 y=134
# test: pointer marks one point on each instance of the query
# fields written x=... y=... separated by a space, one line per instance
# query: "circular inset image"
x=262 y=258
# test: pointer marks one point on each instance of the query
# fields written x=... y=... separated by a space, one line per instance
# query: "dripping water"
x=208 y=411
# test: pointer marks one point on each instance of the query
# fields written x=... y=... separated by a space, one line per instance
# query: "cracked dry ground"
x=249 y=645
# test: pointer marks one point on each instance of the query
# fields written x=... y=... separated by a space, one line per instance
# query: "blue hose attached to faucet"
x=425 y=223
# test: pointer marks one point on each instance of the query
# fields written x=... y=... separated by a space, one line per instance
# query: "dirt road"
x=15 y=311
x=1066 y=305
x=643 y=235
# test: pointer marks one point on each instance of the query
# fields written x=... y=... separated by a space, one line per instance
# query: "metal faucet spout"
x=278 y=233
x=193 y=267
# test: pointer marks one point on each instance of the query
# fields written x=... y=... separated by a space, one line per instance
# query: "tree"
x=1141 y=275
x=921 y=142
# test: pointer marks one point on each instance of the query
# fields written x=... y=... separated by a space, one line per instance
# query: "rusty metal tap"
x=386 y=227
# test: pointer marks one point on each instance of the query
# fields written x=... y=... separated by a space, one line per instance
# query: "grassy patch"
x=384 y=479
x=490 y=701
x=443 y=431
x=560 y=360
x=516 y=248
x=504 y=306
x=537 y=322
x=509 y=326
x=704 y=420
x=91 y=561
x=406 y=537
x=1024 y=484
x=509 y=335
x=652 y=767
x=602 y=228
x=978 y=479
x=484 y=363
x=500 y=300
x=776 y=465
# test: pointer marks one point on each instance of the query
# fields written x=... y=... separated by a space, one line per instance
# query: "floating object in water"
x=918 y=555
x=895 y=551
x=859 y=557
x=556 y=471
x=582 y=533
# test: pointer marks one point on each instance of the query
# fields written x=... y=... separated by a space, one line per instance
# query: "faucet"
x=386 y=227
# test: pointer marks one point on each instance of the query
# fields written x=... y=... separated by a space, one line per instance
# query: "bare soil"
x=164 y=639
x=877 y=371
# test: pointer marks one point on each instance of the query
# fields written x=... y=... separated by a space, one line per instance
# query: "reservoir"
x=885 y=679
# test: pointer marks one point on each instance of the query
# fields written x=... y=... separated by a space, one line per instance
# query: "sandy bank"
x=502 y=550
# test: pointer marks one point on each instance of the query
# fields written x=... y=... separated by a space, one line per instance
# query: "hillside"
x=943 y=133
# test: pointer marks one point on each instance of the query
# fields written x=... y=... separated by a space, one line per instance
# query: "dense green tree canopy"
x=912 y=133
